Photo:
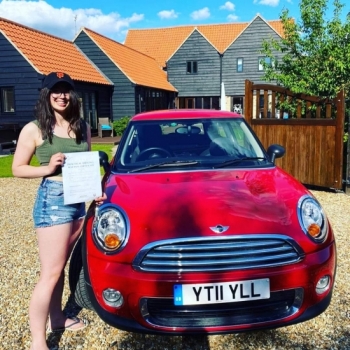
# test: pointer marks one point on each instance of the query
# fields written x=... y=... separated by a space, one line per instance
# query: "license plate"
x=227 y=292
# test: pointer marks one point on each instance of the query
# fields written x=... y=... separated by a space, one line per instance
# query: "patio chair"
x=105 y=127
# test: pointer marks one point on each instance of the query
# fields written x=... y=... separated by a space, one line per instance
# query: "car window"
x=205 y=141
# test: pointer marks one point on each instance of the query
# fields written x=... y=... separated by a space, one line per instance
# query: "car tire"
x=77 y=279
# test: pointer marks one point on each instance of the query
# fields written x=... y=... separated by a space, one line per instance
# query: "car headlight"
x=110 y=229
x=312 y=219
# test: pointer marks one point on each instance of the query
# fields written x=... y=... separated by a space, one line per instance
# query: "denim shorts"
x=49 y=209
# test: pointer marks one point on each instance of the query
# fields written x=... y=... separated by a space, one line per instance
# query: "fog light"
x=113 y=297
x=323 y=284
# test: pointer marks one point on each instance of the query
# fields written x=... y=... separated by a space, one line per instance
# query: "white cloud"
x=232 y=18
x=204 y=13
x=167 y=14
x=63 y=22
x=228 y=6
x=272 y=3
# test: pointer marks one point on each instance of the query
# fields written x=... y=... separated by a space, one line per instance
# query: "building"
x=201 y=66
x=140 y=84
x=198 y=59
x=26 y=56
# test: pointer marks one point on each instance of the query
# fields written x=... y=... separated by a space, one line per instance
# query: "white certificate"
x=81 y=177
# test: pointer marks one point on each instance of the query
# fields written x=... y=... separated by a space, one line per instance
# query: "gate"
x=311 y=131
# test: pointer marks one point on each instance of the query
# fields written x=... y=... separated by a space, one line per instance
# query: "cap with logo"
x=57 y=77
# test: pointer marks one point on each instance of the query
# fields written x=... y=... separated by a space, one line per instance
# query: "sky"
x=64 y=18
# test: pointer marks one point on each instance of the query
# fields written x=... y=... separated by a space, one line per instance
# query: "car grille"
x=163 y=312
x=224 y=253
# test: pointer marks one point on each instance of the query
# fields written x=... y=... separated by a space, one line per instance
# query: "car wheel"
x=77 y=280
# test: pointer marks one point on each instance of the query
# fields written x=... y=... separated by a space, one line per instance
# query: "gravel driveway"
x=19 y=272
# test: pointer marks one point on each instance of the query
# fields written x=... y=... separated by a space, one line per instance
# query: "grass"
x=6 y=162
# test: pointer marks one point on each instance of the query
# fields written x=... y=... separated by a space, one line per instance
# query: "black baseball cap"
x=57 y=77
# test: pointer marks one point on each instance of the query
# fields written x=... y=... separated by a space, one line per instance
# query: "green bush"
x=120 y=125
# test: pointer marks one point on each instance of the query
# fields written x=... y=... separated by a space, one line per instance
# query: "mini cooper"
x=201 y=232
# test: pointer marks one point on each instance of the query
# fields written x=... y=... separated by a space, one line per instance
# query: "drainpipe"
x=221 y=55
x=111 y=117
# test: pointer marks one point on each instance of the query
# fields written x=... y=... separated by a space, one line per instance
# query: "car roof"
x=185 y=114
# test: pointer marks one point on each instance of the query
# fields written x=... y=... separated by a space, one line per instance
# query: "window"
x=7 y=100
x=206 y=102
x=189 y=103
x=239 y=65
x=192 y=67
x=200 y=102
x=153 y=100
x=267 y=60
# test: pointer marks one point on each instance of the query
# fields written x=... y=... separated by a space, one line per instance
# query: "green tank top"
x=59 y=144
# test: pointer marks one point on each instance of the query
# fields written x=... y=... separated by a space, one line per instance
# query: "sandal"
x=76 y=320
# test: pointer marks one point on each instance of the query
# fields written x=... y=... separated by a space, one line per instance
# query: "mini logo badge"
x=219 y=228
x=60 y=75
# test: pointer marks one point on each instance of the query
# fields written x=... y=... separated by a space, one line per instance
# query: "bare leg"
x=57 y=318
x=55 y=244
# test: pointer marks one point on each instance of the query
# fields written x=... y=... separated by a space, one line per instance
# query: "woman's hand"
x=100 y=200
x=56 y=160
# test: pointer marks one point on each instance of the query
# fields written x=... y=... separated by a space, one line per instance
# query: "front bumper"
x=148 y=297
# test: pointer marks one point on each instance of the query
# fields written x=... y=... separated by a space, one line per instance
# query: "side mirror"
x=275 y=151
x=104 y=161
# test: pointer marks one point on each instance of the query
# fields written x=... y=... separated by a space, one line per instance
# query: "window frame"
x=239 y=65
x=191 y=67
x=267 y=61
x=6 y=105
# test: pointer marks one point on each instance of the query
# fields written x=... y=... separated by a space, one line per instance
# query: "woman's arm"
x=88 y=135
x=25 y=149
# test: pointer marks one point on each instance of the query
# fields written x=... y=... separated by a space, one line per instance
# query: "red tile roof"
x=138 y=67
x=162 y=43
x=48 y=53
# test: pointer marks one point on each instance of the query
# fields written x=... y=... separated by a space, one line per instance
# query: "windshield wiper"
x=165 y=164
x=238 y=160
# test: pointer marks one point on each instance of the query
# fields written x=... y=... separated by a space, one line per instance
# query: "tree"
x=315 y=52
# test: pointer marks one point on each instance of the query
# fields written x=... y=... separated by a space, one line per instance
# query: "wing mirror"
x=275 y=151
x=104 y=161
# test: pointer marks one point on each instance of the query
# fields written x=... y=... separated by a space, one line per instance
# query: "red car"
x=202 y=232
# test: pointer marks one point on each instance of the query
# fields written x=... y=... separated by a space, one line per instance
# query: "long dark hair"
x=46 y=117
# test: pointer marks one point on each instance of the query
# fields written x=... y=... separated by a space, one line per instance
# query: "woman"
x=58 y=129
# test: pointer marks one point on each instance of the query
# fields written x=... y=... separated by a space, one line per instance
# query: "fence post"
x=248 y=102
x=339 y=140
x=347 y=165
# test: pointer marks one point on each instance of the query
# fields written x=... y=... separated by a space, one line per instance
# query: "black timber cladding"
x=206 y=82
x=247 y=46
x=210 y=72
x=17 y=73
x=123 y=99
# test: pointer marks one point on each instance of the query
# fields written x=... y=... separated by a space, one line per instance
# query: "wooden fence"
x=311 y=130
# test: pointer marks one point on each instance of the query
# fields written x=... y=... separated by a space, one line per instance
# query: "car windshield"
x=160 y=145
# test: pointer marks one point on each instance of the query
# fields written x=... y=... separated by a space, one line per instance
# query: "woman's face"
x=60 y=97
